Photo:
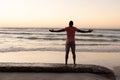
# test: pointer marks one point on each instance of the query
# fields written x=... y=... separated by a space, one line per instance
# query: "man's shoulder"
x=75 y=28
x=66 y=28
x=70 y=27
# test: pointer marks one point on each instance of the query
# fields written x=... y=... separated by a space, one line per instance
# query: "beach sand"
x=109 y=60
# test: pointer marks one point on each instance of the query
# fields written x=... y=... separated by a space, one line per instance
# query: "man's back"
x=70 y=33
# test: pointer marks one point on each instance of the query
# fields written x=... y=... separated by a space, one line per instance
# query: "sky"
x=58 y=13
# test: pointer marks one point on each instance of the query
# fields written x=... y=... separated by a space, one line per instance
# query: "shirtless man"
x=70 y=41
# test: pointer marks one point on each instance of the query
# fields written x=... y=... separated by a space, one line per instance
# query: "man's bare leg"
x=66 y=58
x=74 y=59
x=74 y=55
x=67 y=54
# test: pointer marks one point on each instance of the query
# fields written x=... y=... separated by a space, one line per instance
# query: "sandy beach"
x=109 y=60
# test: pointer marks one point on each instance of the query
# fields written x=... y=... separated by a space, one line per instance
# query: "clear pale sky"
x=57 y=13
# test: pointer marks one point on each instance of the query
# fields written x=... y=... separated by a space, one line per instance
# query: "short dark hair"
x=71 y=23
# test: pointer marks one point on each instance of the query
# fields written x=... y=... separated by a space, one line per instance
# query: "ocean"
x=40 y=39
x=38 y=45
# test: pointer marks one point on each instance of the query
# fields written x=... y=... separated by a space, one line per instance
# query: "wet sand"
x=109 y=60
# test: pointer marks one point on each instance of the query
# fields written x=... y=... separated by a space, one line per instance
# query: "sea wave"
x=20 y=49
x=63 y=34
x=27 y=33
x=90 y=40
x=94 y=44
x=99 y=35
x=22 y=39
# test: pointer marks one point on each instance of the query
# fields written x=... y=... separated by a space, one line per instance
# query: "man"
x=70 y=41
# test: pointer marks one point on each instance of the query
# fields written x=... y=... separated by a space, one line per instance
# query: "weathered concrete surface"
x=57 y=68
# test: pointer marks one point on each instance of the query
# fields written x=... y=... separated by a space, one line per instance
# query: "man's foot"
x=74 y=65
x=66 y=65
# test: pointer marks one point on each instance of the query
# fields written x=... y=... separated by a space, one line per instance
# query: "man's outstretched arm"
x=84 y=31
x=52 y=30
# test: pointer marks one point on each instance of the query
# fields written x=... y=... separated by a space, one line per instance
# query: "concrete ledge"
x=57 y=68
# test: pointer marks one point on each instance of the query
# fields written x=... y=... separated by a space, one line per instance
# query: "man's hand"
x=90 y=30
x=51 y=30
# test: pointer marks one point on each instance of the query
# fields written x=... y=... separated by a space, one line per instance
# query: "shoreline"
x=109 y=60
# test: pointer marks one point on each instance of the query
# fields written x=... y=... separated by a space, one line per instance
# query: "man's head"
x=71 y=23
